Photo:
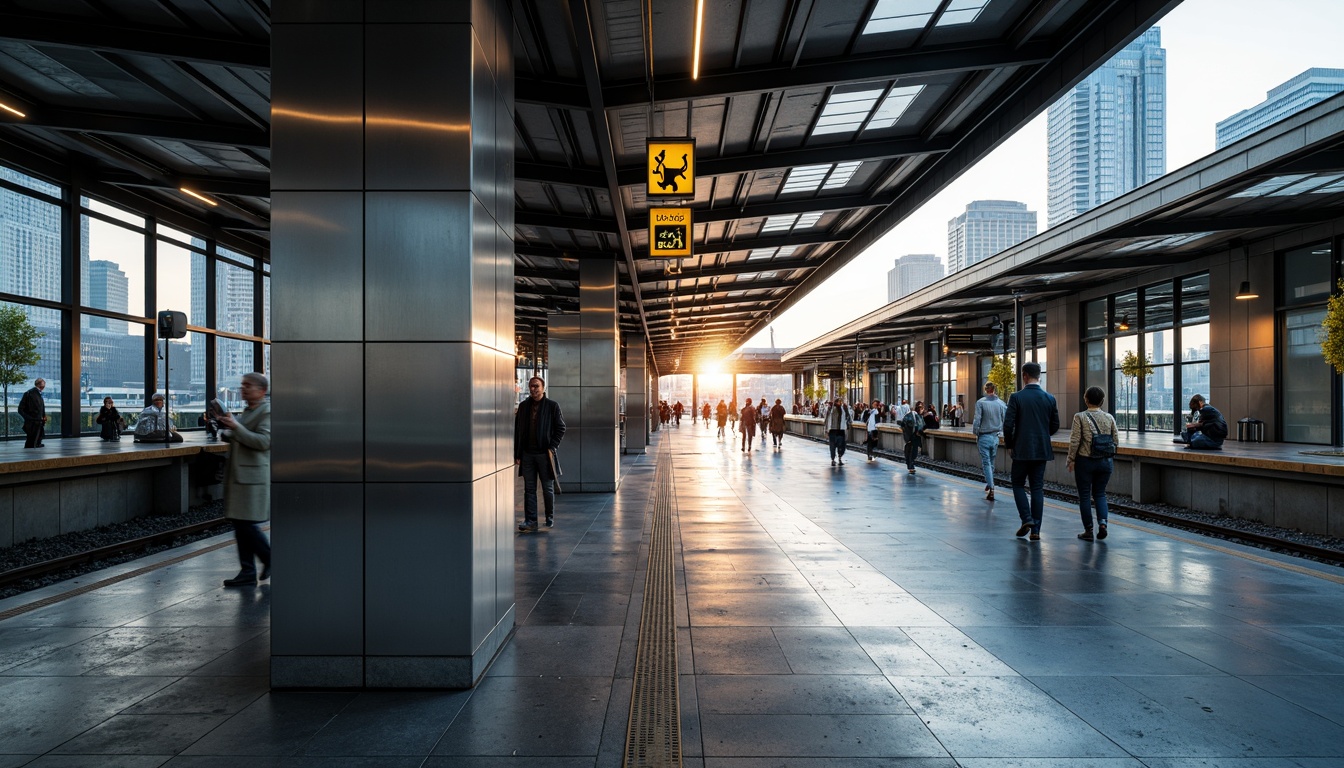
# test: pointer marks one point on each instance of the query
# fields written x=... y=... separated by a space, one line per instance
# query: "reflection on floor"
x=830 y=616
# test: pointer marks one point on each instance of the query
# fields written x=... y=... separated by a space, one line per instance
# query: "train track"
x=1331 y=556
x=102 y=553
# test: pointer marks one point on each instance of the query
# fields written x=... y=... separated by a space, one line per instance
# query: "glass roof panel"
x=842 y=174
x=897 y=15
x=894 y=106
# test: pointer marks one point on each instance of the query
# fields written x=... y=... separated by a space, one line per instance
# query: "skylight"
x=805 y=178
x=894 y=106
x=756 y=254
x=1266 y=187
x=845 y=112
x=899 y=15
x=841 y=175
x=789 y=222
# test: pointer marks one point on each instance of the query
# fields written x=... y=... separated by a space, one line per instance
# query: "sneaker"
x=265 y=573
x=1178 y=441
x=1024 y=530
x=842 y=461
x=832 y=462
x=241 y=581
x=1085 y=535
x=527 y=527
x=1035 y=537
x=1101 y=531
x=989 y=496
x=550 y=522
x=912 y=471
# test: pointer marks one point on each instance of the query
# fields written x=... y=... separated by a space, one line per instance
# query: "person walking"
x=777 y=414
x=1090 y=462
x=837 y=421
x=872 y=438
x=1031 y=418
x=247 y=479
x=912 y=429
x=748 y=425
x=732 y=415
x=677 y=411
x=721 y=416
x=538 y=428
x=704 y=413
x=33 y=411
x=986 y=425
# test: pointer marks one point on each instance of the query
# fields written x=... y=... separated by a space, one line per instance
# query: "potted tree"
x=1003 y=377
x=1133 y=368
x=1332 y=330
x=18 y=351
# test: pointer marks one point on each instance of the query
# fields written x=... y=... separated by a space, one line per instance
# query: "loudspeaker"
x=172 y=325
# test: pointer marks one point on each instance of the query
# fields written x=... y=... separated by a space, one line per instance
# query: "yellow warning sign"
x=671 y=168
x=669 y=232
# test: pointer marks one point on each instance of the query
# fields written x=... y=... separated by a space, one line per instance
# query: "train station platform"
x=826 y=616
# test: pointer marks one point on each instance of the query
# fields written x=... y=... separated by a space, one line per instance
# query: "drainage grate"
x=654 y=734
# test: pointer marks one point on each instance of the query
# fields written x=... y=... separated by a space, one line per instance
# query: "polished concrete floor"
x=829 y=616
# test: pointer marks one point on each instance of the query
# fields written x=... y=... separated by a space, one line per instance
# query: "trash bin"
x=1250 y=430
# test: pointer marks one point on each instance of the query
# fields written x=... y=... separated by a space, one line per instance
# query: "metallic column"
x=585 y=380
x=392 y=226
x=636 y=393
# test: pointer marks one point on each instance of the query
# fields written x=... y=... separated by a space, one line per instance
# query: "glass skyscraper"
x=1109 y=134
x=986 y=228
x=911 y=273
x=1311 y=87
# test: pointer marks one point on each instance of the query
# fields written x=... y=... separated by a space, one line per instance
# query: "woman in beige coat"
x=247 y=479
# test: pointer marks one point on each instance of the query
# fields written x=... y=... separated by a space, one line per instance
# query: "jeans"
x=1091 y=475
x=837 y=440
x=911 y=451
x=534 y=465
x=252 y=546
x=1031 y=510
x=989 y=447
x=1201 y=442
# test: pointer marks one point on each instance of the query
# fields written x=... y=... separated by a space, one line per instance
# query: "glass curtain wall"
x=1166 y=324
x=117 y=250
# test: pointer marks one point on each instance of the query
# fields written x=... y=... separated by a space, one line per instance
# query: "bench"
x=76 y=484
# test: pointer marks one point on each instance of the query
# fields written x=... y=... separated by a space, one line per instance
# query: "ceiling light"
x=1245 y=291
x=11 y=110
x=699 y=23
x=197 y=195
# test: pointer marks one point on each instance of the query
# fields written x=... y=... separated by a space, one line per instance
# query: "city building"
x=1311 y=87
x=984 y=229
x=109 y=289
x=912 y=272
x=1108 y=135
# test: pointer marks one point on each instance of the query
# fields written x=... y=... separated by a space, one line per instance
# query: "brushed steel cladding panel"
x=416 y=426
x=599 y=359
x=317 y=530
x=484 y=264
x=570 y=457
x=418 y=11
x=417 y=266
x=483 y=143
x=504 y=552
x=317 y=412
x=504 y=72
x=318 y=288
x=504 y=292
x=505 y=407
x=597 y=295
x=418 y=101
x=563 y=352
x=485 y=20
x=418 y=569
x=317 y=73
x=504 y=170
x=484 y=541
x=299 y=11
x=571 y=406
x=600 y=454
x=599 y=407
x=488 y=425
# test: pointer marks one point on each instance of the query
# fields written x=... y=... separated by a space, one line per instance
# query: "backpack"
x=910 y=423
x=1103 y=445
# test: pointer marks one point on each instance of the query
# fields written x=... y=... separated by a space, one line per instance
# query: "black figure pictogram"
x=668 y=175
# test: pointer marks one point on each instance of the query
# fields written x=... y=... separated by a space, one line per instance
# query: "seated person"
x=153 y=426
x=210 y=419
x=1206 y=429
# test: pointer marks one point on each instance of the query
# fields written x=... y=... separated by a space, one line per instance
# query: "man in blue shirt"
x=1032 y=417
x=987 y=424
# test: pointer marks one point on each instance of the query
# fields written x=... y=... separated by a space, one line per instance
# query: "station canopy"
x=819 y=125
x=1286 y=177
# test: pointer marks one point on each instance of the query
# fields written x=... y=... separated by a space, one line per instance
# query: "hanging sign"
x=671 y=168
x=669 y=233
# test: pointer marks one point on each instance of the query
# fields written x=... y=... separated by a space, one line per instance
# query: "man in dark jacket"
x=1206 y=430
x=538 y=428
x=33 y=411
x=1032 y=417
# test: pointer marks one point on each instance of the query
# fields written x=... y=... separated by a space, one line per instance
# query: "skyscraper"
x=108 y=289
x=911 y=273
x=987 y=227
x=1313 y=86
x=1109 y=134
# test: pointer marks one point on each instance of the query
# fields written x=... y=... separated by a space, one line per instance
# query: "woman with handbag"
x=110 y=418
x=1092 y=443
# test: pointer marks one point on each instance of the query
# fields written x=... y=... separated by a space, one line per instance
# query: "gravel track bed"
x=37 y=551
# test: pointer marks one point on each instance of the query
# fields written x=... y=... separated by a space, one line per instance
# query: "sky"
x=1222 y=57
